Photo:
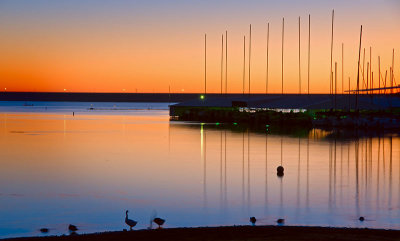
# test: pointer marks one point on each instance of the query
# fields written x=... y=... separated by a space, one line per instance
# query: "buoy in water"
x=280 y=171
x=361 y=219
x=280 y=221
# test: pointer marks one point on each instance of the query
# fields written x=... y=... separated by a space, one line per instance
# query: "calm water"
x=88 y=169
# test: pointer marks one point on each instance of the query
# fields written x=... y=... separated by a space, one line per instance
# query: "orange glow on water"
x=102 y=164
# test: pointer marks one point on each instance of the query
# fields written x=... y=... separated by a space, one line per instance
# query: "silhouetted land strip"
x=95 y=97
x=236 y=233
x=318 y=110
x=105 y=97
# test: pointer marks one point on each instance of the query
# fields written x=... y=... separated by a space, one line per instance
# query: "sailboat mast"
x=299 y=58
x=358 y=69
x=244 y=62
x=226 y=62
x=205 y=64
x=370 y=68
x=266 y=82
x=283 y=39
x=309 y=48
x=363 y=69
x=330 y=72
x=342 y=68
x=222 y=61
x=379 y=74
x=335 y=83
x=250 y=61
x=392 y=70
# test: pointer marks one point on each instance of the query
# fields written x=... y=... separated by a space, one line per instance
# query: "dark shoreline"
x=248 y=233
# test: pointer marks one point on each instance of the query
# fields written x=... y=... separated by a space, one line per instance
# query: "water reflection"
x=349 y=179
x=266 y=175
x=94 y=167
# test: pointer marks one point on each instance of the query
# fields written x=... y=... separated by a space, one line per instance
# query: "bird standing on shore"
x=72 y=228
x=159 y=221
x=253 y=221
x=129 y=222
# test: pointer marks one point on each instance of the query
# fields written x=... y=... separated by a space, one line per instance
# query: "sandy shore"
x=236 y=233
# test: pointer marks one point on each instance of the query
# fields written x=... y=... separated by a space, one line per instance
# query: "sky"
x=154 y=46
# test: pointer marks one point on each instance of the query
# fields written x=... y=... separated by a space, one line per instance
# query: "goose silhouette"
x=72 y=228
x=253 y=221
x=131 y=223
x=159 y=221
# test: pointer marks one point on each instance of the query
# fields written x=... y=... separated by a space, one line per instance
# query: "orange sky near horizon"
x=116 y=46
